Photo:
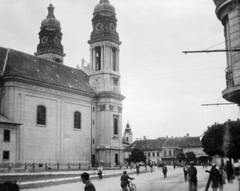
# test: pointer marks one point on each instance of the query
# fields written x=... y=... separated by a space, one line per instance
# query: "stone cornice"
x=111 y=95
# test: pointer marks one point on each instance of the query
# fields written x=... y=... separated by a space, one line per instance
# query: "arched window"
x=77 y=120
x=127 y=139
x=41 y=115
x=115 y=125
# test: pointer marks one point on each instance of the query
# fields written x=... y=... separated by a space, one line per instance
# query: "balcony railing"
x=229 y=77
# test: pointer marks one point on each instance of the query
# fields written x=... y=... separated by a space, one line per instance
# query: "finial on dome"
x=50 y=12
x=104 y=1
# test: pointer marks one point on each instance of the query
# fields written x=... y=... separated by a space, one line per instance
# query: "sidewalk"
x=226 y=187
x=56 y=181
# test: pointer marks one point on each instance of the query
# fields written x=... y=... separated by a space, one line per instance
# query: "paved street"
x=145 y=182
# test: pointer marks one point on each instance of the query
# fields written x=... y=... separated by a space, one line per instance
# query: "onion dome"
x=50 y=21
x=104 y=8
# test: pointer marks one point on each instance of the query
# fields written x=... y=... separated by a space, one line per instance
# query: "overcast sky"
x=164 y=88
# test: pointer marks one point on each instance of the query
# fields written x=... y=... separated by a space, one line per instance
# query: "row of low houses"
x=166 y=149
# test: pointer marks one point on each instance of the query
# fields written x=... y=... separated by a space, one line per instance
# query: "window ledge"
x=77 y=129
x=38 y=125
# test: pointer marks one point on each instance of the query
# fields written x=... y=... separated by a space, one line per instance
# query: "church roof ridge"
x=31 y=67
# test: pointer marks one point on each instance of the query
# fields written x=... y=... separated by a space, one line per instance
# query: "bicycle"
x=99 y=176
x=132 y=186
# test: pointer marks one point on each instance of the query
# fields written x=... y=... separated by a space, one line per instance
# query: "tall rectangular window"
x=153 y=154
x=6 y=136
x=158 y=154
x=115 y=124
x=165 y=153
x=170 y=153
x=98 y=57
x=77 y=120
x=114 y=54
x=41 y=115
x=6 y=155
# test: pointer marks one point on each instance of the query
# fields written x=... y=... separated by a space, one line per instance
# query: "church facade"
x=52 y=113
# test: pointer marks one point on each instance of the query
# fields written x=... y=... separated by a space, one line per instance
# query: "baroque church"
x=50 y=112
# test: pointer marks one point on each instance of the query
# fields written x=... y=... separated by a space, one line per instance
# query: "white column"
x=110 y=57
x=117 y=60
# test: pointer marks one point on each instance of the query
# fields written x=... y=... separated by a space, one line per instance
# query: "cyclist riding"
x=125 y=181
x=99 y=172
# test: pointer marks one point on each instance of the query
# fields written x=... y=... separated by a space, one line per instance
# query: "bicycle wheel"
x=133 y=187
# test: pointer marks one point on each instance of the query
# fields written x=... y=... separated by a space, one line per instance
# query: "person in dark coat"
x=185 y=172
x=229 y=171
x=215 y=178
x=88 y=185
x=124 y=180
x=192 y=173
x=164 y=170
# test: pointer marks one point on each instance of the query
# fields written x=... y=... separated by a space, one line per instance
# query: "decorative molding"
x=111 y=107
x=217 y=2
x=103 y=107
x=120 y=109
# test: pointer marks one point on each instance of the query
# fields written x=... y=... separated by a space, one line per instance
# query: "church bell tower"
x=105 y=80
x=50 y=37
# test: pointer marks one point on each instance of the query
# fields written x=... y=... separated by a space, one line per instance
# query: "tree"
x=190 y=156
x=181 y=157
x=213 y=139
x=137 y=156
x=223 y=140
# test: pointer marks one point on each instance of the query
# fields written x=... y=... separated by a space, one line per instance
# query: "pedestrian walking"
x=215 y=178
x=192 y=174
x=164 y=170
x=88 y=185
x=185 y=172
x=137 y=169
x=229 y=171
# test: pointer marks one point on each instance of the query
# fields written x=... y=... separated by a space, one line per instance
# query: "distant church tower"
x=128 y=135
x=50 y=37
x=105 y=80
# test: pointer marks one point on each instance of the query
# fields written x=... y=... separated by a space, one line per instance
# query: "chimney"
x=187 y=134
x=166 y=136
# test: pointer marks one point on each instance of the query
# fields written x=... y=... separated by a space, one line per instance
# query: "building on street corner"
x=228 y=12
x=166 y=149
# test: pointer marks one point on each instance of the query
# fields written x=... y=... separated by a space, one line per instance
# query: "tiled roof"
x=192 y=142
x=162 y=143
x=148 y=144
x=17 y=64
x=174 y=142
